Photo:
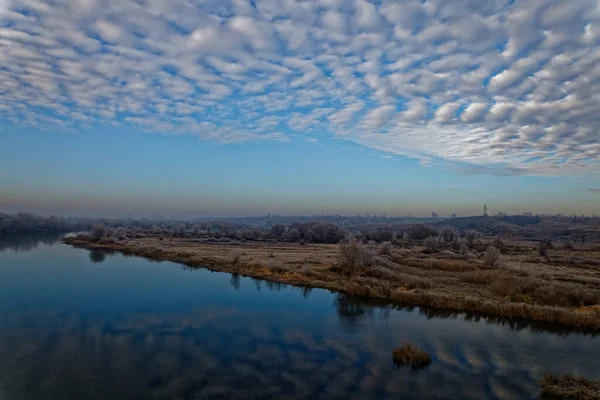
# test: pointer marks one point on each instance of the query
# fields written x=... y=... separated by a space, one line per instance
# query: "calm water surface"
x=76 y=324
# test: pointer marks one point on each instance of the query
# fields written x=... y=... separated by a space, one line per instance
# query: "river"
x=78 y=324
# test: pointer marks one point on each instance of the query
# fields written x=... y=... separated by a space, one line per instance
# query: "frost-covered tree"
x=98 y=232
x=431 y=244
x=448 y=234
x=120 y=233
x=277 y=230
x=246 y=234
x=293 y=235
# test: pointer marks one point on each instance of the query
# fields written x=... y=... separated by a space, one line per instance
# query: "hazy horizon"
x=234 y=108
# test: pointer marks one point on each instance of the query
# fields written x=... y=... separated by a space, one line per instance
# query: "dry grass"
x=236 y=257
x=411 y=356
x=568 y=387
x=440 y=264
x=486 y=277
x=539 y=291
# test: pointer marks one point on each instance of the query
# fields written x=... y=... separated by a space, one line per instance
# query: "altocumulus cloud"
x=499 y=85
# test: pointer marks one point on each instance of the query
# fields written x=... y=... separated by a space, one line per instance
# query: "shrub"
x=492 y=256
x=431 y=244
x=448 y=235
x=464 y=249
x=293 y=235
x=236 y=257
x=569 y=387
x=470 y=236
x=246 y=234
x=277 y=230
x=353 y=257
x=386 y=248
x=120 y=234
x=98 y=232
x=420 y=232
x=385 y=235
x=542 y=248
x=411 y=356
x=325 y=232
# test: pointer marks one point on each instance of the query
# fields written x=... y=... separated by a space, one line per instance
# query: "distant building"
x=501 y=214
x=528 y=214
x=434 y=215
x=453 y=215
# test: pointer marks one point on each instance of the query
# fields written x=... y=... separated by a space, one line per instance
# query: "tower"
x=485 y=210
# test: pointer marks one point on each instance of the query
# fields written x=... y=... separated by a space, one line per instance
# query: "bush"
x=246 y=234
x=326 y=232
x=448 y=235
x=236 y=257
x=464 y=249
x=492 y=256
x=98 y=232
x=277 y=230
x=470 y=236
x=386 y=248
x=420 y=232
x=411 y=356
x=353 y=257
x=120 y=234
x=542 y=248
x=385 y=235
x=293 y=235
x=431 y=244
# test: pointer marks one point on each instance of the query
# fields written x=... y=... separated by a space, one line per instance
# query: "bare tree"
x=448 y=234
x=277 y=230
x=470 y=236
x=354 y=257
x=293 y=235
x=120 y=233
x=464 y=249
x=431 y=244
x=246 y=234
x=492 y=256
x=98 y=232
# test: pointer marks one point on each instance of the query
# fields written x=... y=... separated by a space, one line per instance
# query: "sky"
x=238 y=107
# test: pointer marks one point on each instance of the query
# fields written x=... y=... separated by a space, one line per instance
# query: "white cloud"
x=446 y=112
x=474 y=112
x=491 y=86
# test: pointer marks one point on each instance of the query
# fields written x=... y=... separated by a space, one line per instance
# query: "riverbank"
x=523 y=287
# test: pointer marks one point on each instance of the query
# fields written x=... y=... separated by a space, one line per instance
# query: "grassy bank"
x=568 y=387
x=518 y=289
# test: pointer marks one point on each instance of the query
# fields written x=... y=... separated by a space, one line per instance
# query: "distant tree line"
x=313 y=232
x=26 y=224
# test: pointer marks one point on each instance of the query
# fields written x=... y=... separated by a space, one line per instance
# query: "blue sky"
x=248 y=107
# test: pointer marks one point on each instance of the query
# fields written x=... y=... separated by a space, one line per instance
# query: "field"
x=561 y=287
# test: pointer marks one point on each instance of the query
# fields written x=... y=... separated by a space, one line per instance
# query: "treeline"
x=312 y=232
x=299 y=232
x=309 y=232
x=26 y=224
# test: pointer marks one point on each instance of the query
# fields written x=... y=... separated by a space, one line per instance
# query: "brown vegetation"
x=411 y=356
x=568 y=387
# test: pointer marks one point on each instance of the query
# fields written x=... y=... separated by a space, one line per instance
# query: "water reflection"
x=25 y=243
x=214 y=335
x=97 y=256
x=232 y=354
